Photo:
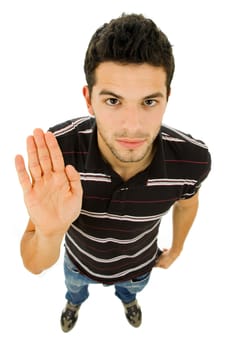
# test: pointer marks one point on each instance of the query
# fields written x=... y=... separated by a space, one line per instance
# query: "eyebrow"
x=108 y=92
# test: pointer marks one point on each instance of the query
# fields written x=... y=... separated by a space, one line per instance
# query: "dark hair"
x=129 y=39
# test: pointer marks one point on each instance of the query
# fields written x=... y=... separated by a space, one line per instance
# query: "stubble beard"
x=130 y=155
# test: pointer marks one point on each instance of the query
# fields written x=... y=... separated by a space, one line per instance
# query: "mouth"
x=131 y=143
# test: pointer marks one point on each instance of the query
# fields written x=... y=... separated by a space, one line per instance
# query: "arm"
x=53 y=197
x=184 y=213
x=38 y=251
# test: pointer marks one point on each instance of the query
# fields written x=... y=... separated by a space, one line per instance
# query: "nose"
x=131 y=118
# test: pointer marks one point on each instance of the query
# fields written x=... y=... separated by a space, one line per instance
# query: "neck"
x=126 y=170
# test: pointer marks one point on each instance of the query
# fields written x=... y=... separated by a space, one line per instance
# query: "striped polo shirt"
x=115 y=237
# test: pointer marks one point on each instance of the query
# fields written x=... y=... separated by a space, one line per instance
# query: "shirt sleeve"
x=189 y=190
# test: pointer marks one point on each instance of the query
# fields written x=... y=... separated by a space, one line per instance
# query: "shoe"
x=69 y=316
x=133 y=313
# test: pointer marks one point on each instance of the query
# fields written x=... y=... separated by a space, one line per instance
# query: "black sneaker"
x=133 y=313
x=69 y=316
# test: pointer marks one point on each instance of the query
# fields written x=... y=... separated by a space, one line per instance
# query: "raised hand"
x=52 y=192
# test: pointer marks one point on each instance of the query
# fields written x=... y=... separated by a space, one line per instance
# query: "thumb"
x=74 y=179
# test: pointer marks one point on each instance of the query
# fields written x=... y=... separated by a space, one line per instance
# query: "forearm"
x=38 y=251
x=184 y=214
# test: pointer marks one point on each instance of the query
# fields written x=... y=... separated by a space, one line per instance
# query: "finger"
x=33 y=160
x=43 y=153
x=56 y=156
x=23 y=175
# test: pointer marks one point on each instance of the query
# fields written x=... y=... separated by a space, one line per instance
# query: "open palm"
x=52 y=192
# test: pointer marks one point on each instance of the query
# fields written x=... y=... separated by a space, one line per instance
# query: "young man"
x=104 y=182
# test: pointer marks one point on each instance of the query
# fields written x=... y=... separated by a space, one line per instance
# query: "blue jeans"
x=77 y=285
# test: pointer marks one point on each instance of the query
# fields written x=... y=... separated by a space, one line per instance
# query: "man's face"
x=128 y=102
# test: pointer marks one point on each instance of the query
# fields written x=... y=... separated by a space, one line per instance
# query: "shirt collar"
x=94 y=160
x=157 y=168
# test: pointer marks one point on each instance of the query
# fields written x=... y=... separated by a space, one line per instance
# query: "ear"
x=87 y=97
x=168 y=93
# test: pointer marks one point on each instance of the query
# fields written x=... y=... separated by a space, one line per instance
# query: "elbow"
x=32 y=268
x=37 y=266
x=35 y=271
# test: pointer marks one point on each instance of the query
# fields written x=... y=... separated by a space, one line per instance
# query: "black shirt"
x=115 y=237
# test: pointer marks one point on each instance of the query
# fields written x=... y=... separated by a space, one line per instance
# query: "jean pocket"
x=141 y=278
x=70 y=265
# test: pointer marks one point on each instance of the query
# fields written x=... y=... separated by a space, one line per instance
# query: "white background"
x=189 y=306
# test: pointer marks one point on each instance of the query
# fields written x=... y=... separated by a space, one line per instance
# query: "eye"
x=112 y=101
x=150 y=103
